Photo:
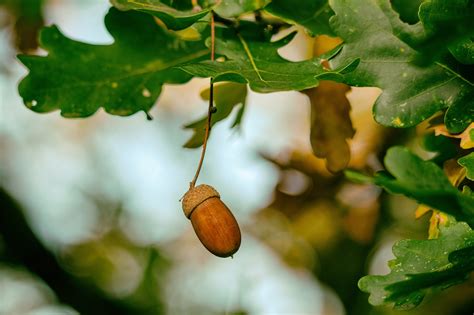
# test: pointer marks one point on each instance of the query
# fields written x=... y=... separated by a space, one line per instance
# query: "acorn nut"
x=213 y=223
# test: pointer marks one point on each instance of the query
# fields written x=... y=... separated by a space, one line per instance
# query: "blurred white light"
x=20 y=292
x=254 y=281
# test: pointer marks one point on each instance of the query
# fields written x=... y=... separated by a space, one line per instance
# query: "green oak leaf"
x=123 y=78
x=227 y=96
x=411 y=93
x=445 y=23
x=408 y=10
x=312 y=14
x=442 y=16
x=234 y=8
x=175 y=18
x=425 y=182
x=463 y=51
x=468 y=163
x=256 y=62
x=443 y=147
x=358 y=177
x=421 y=266
x=179 y=15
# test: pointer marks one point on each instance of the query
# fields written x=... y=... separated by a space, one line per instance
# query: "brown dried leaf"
x=331 y=124
x=330 y=121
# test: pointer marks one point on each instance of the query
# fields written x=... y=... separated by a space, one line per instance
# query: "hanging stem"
x=210 y=107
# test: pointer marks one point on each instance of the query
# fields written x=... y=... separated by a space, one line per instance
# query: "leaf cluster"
x=419 y=53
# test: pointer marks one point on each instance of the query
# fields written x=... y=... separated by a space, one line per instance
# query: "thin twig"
x=211 y=104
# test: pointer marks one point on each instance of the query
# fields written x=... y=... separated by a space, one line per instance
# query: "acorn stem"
x=210 y=107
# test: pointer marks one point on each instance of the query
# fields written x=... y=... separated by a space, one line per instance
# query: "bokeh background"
x=91 y=222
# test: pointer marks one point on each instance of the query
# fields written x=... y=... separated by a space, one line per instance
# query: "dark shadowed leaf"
x=408 y=9
x=227 y=96
x=443 y=24
x=443 y=147
x=464 y=51
x=466 y=137
x=446 y=24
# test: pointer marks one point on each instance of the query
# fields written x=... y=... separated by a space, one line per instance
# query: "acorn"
x=213 y=222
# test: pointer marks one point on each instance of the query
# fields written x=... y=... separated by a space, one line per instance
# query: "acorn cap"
x=197 y=195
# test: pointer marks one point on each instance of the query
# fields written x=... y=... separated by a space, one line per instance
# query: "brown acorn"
x=214 y=224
